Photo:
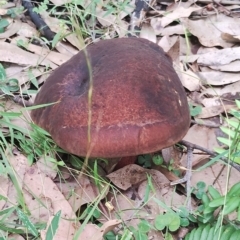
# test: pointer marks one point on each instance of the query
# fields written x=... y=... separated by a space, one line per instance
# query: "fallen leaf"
x=219 y=57
x=189 y=79
x=13 y=54
x=233 y=88
x=147 y=32
x=208 y=112
x=11 y=29
x=58 y=26
x=4 y=189
x=167 y=42
x=27 y=31
x=231 y=67
x=128 y=176
x=217 y=78
x=55 y=57
x=66 y=49
x=105 y=228
x=202 y=136
x=42 y=187
x=167 y=31
x=15 y=237
x=208 y=30
x=179 y=12
x=84 y=192
x=105 y=18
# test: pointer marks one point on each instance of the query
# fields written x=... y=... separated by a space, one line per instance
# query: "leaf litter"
x=203 y=41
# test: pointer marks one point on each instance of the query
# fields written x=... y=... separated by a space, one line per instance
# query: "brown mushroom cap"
x=138 y=102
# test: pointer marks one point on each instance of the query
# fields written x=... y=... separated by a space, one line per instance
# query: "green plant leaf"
x=194 y=111
x=144 y=226
x=169 y=219
x=52 y=229
x=161 y=222
x=231 y=205
x=3 y=75
x=234 y=190
x=26 y=221
x=184 y=222
x=214 y=193
x=217 y=202
x=157 y=160
x=3 y=23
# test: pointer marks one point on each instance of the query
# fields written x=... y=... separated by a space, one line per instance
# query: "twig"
x=38 y=21
x=211 y=153
x=227 y=2
x=137 y=16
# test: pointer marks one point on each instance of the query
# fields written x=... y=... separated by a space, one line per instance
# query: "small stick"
x=211 y=153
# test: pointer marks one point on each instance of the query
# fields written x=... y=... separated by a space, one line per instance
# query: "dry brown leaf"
x=148 y=33
x=96 y=233
x=163 y=191
x=15 y=237
x=52 y=56
x=124 y=206
x=189 y=79
x=41 y=208
x=202 y=136
x=219 y=57
x=154 y=234
x=230 y=38
x=27 y=31
x=121 y=28
x=58 y=26
x=233 y=88
x=11 y=29
x=105 y=19
x=216 y=78
x=231 y=67
x=188 y=58
x=177 y=13
x=6 y=5
x=177 y=29
x=42 y=187
x=215 y=173
x=208 y=112
x=174 y=54
x=19 y=164
x=3 y=11
x=66 y=49
x=48 y=167
x=90 y=230
x=211 y=102
x=4 y=189
x=128 y=176
x=93 y=232
x=167 y=42
x=38 y=186
x=84 y=192
x=22 y=74
x=21 y=122
x=13 y=54
x=209 y=30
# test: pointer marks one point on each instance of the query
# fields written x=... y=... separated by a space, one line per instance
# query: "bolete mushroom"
x=138 y=103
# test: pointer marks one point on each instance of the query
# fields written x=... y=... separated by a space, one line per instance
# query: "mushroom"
x=138 y=103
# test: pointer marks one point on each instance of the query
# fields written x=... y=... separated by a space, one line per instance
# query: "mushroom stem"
x=124 y=161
